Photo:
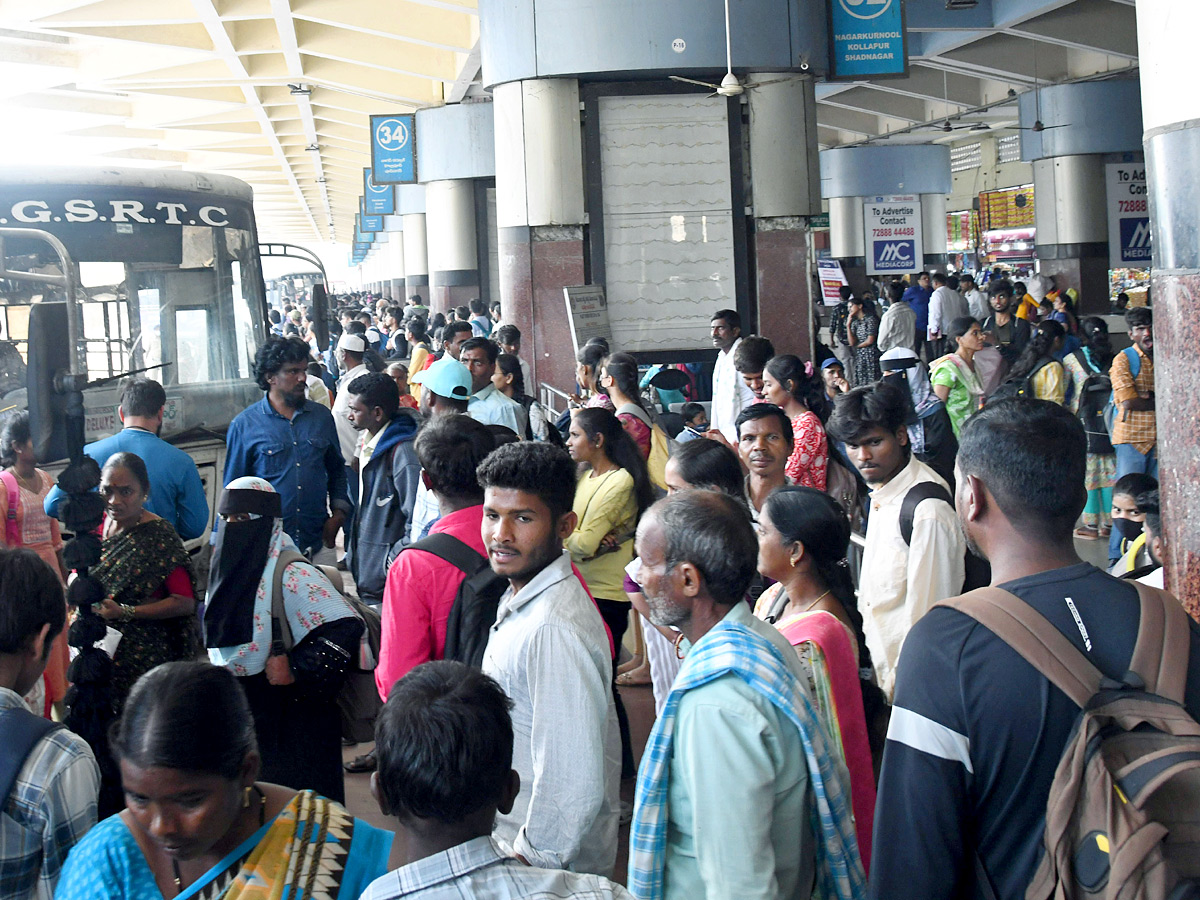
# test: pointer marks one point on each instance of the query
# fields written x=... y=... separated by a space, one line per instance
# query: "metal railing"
x=554 y=400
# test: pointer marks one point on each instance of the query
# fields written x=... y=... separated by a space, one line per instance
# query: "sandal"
x=361 y=764
x=634 y=677
x=1087 y=534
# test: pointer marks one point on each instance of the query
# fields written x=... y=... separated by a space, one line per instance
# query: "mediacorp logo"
x=866 y=9
x=1135 y=239
x=899 y=255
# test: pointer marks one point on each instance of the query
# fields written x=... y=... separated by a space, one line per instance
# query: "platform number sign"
x=394 y=149
x=1128 y=216
x=892 y=235
x=377 y=199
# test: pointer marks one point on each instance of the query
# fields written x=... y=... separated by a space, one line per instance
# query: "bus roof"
x=154 y=179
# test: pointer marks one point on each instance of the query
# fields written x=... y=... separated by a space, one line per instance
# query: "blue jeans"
x=1129 y=460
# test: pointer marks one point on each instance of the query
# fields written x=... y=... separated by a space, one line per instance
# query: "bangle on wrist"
x=127 y=612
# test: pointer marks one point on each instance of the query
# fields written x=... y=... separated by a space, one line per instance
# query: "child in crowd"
x=695 y=422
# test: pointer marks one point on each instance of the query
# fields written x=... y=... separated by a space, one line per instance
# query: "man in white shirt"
x=729 y=393
x=551 y=653
x=898 y=327
x=977 y=304
x=351 y=348
x=944 y=307
x=901 y=578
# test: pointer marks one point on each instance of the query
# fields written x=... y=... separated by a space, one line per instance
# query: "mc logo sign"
x=895 y=256
x=1135 y=240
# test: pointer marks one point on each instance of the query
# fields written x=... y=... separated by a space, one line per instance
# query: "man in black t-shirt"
x=977 y=733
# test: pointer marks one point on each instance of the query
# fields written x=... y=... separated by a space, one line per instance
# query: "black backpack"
x=1094 y=395
x=475 y=604
x=977 y=572
x=1019 y=388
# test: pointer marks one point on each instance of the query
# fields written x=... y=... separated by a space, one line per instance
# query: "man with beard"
x=737 y=769
x=764 y=434
x=977 y=733
x=178 y=491
x=294 y=445
x=902 y=575
x=550 y=652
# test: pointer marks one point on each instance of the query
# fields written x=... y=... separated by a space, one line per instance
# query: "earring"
x=246 y=799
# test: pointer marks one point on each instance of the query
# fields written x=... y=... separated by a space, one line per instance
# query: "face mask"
x=1127 y=528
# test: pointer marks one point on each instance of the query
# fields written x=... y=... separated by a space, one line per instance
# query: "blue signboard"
x=372 y=223
x=377 y=199
x=866 y=39
x=394 y=149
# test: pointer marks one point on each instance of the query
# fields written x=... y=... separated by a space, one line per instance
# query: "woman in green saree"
x=149 y=587
x=198 y=824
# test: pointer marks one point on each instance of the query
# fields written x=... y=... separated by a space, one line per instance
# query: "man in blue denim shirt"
x=292 y=444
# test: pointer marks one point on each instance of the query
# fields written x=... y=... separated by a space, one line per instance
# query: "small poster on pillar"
x=587 y=314
x=892 y=234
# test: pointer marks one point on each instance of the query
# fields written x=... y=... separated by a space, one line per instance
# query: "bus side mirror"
x=320 y=315
x=49 y=352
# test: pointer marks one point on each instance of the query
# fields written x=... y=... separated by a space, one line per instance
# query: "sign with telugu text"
x=377 y=199
x=866 y=38
x=372 y=223
x=1128 y=216
x=832 y=278
x=892 y=234
x=394 y=148
x=587 y=313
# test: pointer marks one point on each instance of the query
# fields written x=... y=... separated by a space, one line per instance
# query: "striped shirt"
x=51 y=807
x=478 y=869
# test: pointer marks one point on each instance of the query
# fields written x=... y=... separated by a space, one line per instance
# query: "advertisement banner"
x=1128 y=216
x=832 y=277
x=394 y=149
x=377 y=199
x=892 y=231
x=866 y=38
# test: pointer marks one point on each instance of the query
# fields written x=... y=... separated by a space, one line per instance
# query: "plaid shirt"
x=731 y=647
x=51 y=807
x=1133 y=426
x=478 y=869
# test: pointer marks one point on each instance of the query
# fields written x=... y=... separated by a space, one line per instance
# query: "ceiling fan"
x=946 y=127
x=1038 y=126
x=731 y=85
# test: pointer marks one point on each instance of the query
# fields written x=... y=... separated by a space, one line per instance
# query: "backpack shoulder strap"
x=1029 y=633
x=1161 y=654
x=281 y=629
x=917 y=494
x=1135 y=361
x=449 y=548
x=21 y=730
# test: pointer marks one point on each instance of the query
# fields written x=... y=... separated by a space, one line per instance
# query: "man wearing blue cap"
x=445 y=391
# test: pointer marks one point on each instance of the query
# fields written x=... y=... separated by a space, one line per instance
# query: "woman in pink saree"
x=802 y=541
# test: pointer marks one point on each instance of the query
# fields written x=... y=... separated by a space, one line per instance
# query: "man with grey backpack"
x=996 y=783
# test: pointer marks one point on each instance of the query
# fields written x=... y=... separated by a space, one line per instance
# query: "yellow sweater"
x=604 y=505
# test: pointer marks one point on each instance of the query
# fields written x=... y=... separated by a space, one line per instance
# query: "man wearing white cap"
x=445 y=391
x=351 y=348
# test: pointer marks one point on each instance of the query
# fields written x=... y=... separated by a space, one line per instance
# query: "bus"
x=106 y=272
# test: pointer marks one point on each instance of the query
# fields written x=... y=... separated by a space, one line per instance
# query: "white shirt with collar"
x=730 y=395
x=347 y=436
x=900 y=582
x=549 y=651
x=977 y=304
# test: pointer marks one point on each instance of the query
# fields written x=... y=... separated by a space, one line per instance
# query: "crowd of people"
x=839 y=713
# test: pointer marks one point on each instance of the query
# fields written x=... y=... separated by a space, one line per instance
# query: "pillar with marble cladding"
x=1171 y=119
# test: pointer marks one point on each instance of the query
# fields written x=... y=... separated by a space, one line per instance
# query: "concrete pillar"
x=1084 y=122
x=453 y=257
x=933 y=230
x=1171 y=118
x=785 y=169
x=416 y=256
x=540 y=215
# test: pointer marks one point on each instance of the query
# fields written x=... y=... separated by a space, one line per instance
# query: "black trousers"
x=616 y=616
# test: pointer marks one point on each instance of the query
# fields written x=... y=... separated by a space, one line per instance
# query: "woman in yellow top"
x=612 y=492
x=1037 y=362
